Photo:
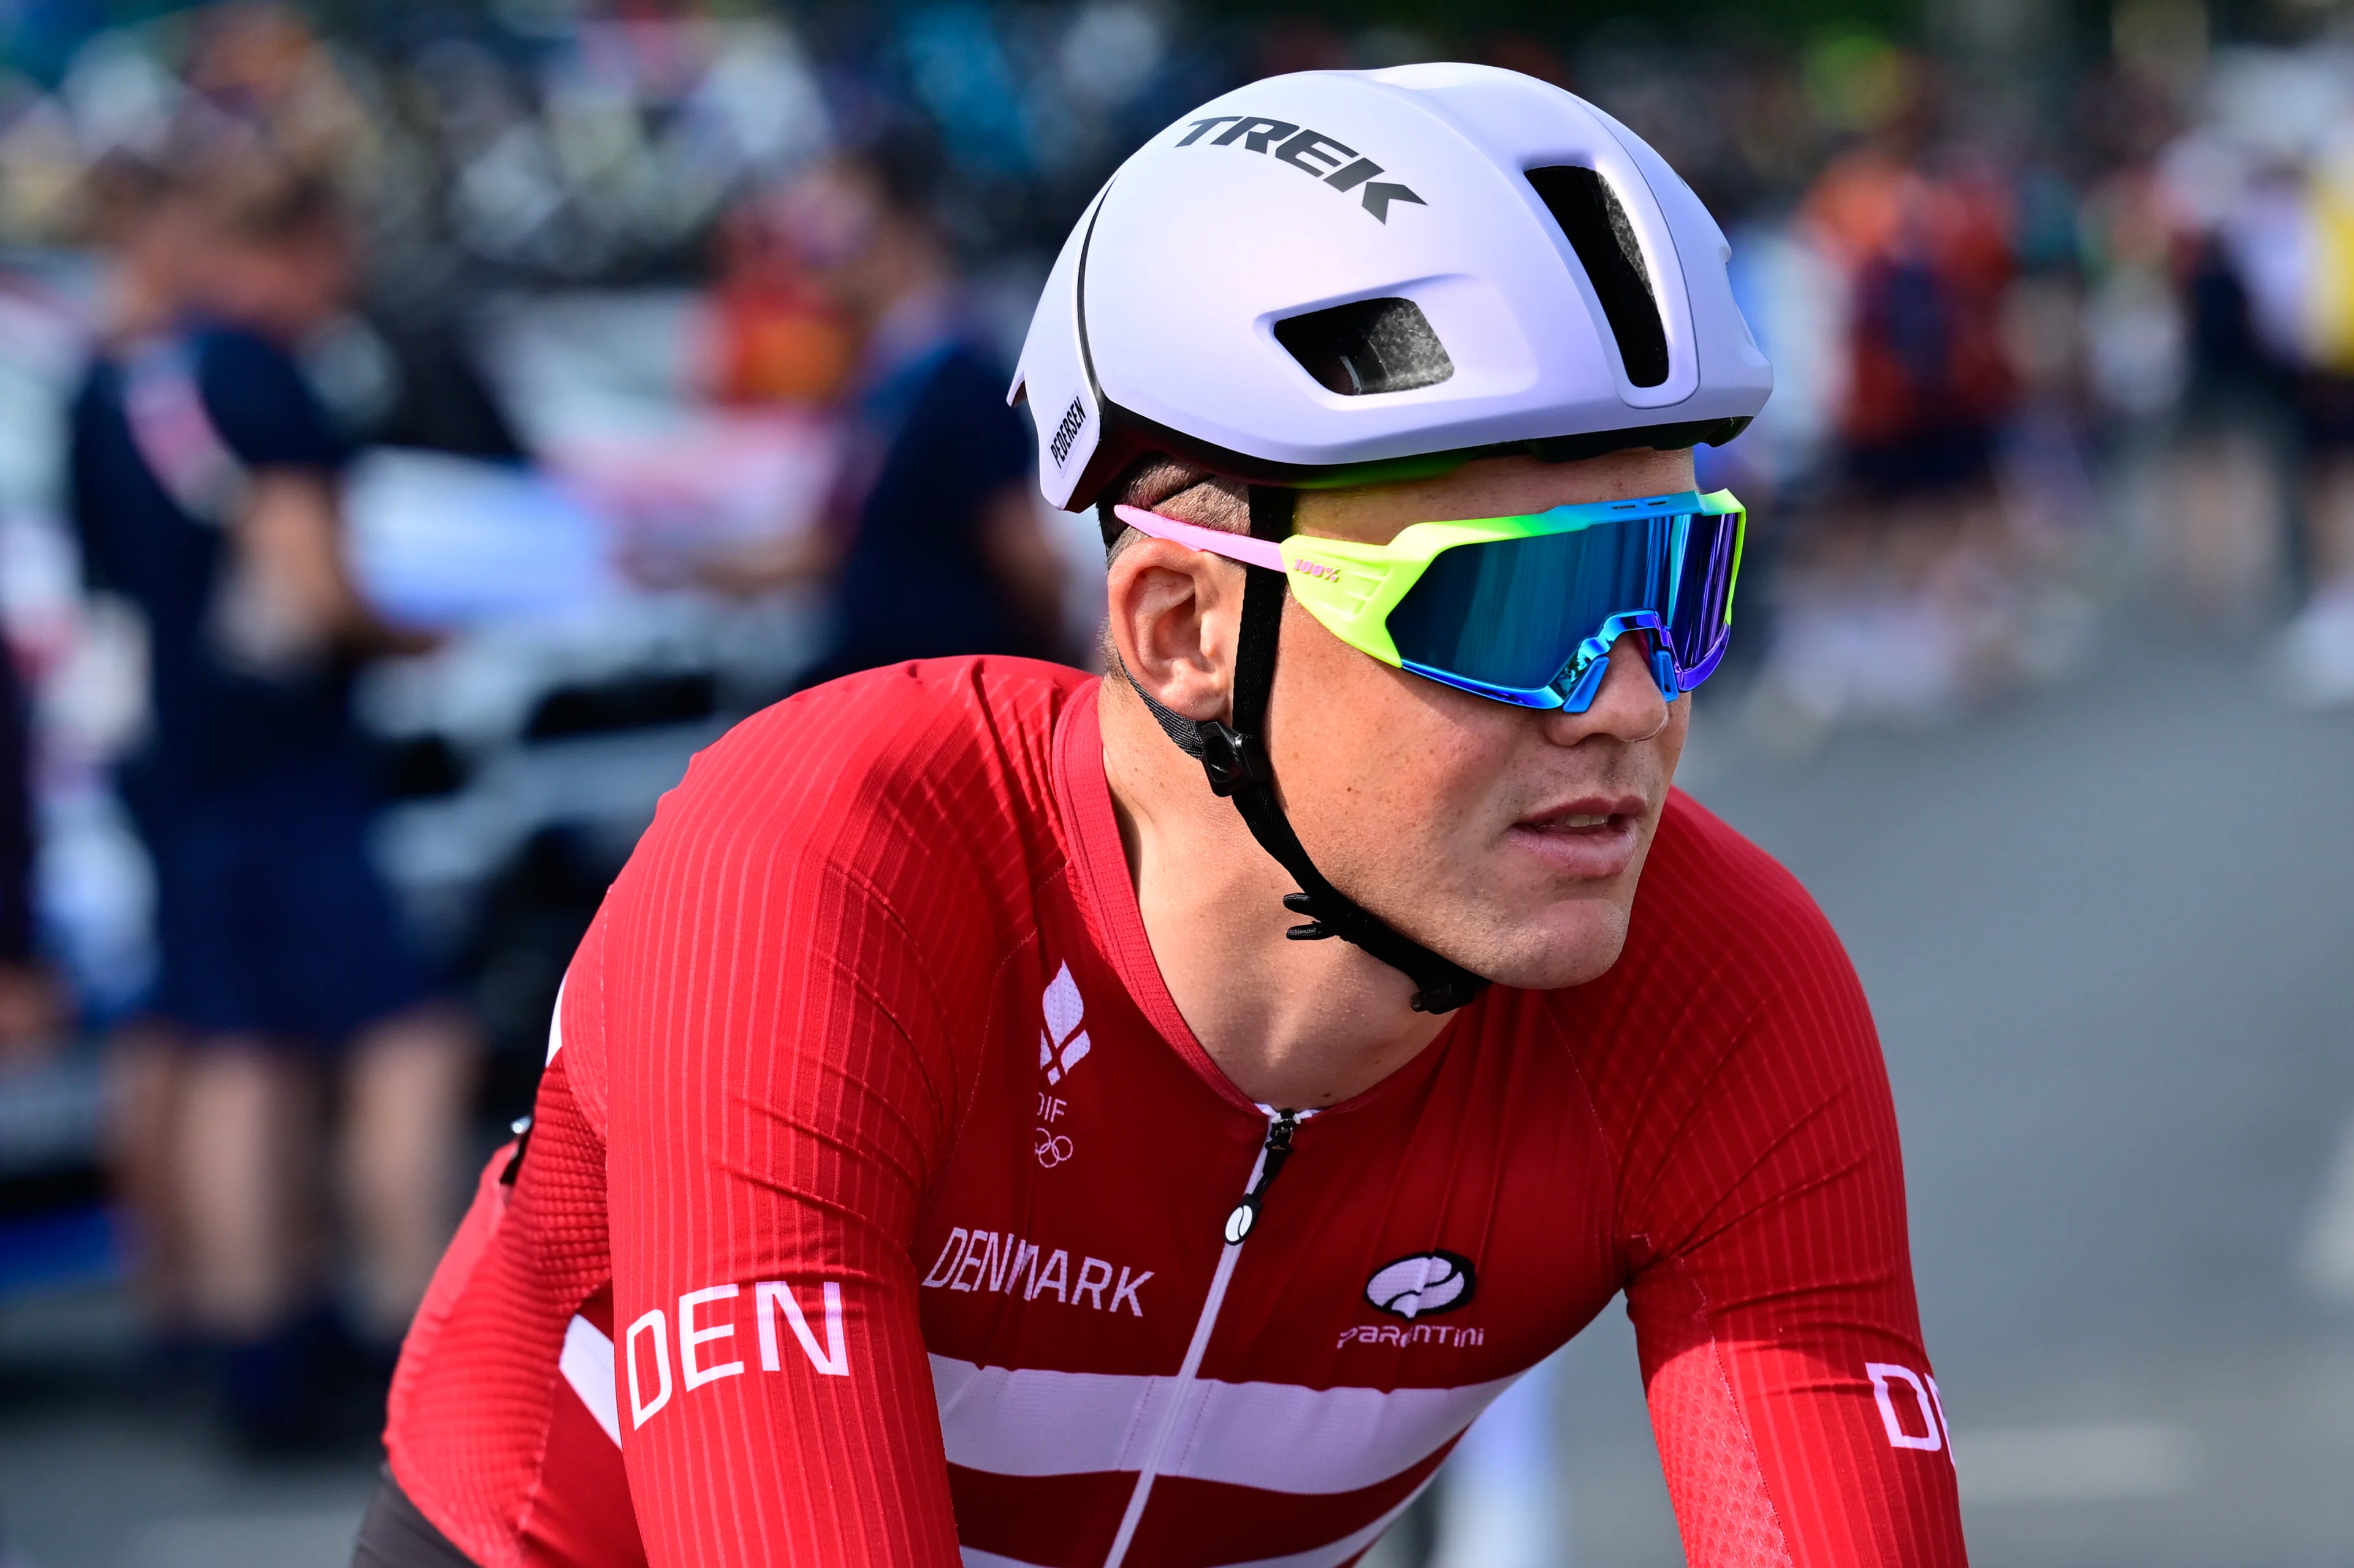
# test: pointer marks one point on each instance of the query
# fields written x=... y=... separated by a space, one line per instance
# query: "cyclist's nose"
x=1628 y=705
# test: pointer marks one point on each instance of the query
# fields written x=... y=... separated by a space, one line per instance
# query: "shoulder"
x=98 y=396
x=933 y=761
x=964 y=379
x=934 y=724
x=970 y=364
x=868 y=850
x=100 y=382
x=96 y=405
x=262 y=402
x=1705 y=886
x=1733 y=988
x=227 y=355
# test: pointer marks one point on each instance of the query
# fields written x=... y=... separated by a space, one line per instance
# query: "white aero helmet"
x=1336 y=277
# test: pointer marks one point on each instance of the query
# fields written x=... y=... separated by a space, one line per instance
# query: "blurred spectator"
x=2219 y=541
x=31 y=1006
x=775 y=336
x=1897 y=607
x=1927 y=256
x=2264 y=464
x=2326 y=390
x=204 y=488
x=944 y=551
x=259 y=63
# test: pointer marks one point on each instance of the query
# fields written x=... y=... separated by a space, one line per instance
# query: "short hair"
x=1179 y=490
x=118 y=190
x=1161 y=483
x=264 y=200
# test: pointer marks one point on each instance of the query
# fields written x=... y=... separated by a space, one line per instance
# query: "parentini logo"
x=1427 y=1283
x=1411 y=1334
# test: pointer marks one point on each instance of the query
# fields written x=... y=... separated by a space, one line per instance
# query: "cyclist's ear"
x=1175 y=615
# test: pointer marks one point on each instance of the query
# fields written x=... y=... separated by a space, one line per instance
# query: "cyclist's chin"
x=1541 y=939
x=1548 y=906
x=1561 y=945
x=1538 y=918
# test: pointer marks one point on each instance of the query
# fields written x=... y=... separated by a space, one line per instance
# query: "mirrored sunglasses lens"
x=1512 y=613
x=1705 y=549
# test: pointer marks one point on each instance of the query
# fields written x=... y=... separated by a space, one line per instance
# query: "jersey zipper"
x=1240 y=1221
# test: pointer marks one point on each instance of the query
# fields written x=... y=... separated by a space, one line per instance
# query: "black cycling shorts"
x=394 y=1535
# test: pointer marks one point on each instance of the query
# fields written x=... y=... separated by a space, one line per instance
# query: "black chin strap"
x=1235 y=758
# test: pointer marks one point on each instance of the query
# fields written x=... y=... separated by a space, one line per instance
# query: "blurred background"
x=422 y=426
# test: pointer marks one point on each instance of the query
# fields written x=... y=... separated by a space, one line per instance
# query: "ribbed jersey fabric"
x=876 y=1209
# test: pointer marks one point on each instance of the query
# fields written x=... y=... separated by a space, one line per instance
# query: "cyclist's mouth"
x=1593 y=837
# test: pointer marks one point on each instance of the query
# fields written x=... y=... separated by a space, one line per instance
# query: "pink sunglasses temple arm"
x=1234 y=547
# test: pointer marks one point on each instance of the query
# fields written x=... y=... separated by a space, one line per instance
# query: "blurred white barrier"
x=1506 y=1503
x=447 y=541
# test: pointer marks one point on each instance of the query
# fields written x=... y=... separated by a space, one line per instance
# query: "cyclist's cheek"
x=1377 y=765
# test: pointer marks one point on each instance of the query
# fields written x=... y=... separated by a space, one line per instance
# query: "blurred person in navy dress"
x=204 y=473
x=31 y=1006
x=935 y=546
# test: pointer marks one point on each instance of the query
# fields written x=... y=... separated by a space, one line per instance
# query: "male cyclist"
x=967 y=1137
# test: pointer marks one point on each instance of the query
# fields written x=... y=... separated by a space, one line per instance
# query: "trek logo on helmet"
x=1312 y=152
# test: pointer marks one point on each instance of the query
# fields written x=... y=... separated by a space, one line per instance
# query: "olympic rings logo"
x=1051 y=1149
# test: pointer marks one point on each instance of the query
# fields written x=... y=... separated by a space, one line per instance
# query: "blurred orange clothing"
x=775 y=343
x=1927 y=258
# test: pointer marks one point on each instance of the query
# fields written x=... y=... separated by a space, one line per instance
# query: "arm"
x=294 y=596
x=787 y=962
x=1797 y=1418
x=747 y=568
x=289 y=540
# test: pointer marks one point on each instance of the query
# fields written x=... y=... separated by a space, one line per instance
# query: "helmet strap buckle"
x=1234 y=755
x=1232 y=760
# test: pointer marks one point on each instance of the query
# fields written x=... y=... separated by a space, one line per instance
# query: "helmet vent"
x=1597 y=228
x=1367 y=346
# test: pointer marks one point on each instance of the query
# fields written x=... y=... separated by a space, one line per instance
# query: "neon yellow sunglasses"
x=1519 y=610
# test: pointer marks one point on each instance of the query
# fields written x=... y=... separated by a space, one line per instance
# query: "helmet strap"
x=1235 y=757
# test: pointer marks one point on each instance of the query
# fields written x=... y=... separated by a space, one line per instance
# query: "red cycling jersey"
x=877 y=1203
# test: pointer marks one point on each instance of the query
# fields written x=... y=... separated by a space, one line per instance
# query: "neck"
x=1292 y=1025
x=137 y=306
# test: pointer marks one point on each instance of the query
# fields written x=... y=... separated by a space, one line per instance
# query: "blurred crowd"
x=419 y=439
x=2027 y=376
x=289 y=1074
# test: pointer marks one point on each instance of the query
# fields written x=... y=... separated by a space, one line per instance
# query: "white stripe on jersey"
x=1271 y=1436
x=587 y=1364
